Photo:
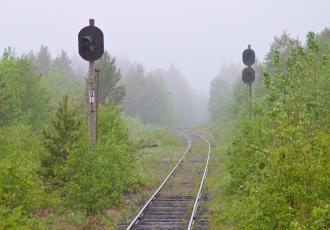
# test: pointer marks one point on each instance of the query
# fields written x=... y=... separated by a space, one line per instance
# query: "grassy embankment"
x=219 y=136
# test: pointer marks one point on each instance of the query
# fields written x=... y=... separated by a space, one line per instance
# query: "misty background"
x=184 y=44
x=195 y=36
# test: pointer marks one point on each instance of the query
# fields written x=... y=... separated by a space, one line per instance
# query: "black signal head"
x=248 y=75
x=248 y=56
x=91 y=44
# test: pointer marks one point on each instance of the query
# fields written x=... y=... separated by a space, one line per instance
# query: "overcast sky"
x=197 y=36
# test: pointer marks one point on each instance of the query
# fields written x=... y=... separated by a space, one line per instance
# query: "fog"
x=197 y=37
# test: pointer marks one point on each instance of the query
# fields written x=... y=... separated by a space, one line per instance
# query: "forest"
x=48 y=170
x=268 y=171
x=275 y=172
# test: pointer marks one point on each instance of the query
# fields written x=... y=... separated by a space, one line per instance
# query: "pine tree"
x=60 y=137
x=219 y=93
x=63 y=63
x=4 y=97
x=110 y=76
x=43 y=60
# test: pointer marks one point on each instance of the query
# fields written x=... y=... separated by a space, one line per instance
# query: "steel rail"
x=137 y=217
x=198 y=197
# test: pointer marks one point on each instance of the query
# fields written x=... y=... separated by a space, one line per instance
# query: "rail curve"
x=172 y=210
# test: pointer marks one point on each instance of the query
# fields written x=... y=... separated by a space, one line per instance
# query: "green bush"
x=151 y=134
x=25 y=99
x=278 y=160
x=99 y=176
x=21 y=190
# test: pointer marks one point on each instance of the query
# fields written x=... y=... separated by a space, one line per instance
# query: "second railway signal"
x=248 y=74
x=248 y=56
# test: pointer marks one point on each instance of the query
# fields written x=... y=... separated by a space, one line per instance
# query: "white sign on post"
x=91 y=96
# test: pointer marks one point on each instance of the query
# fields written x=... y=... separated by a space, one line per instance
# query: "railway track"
x=174 y=204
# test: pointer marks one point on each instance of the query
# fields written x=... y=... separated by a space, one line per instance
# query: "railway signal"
x=90 y=40
x=248 y=73
x=249 y=56
x=91 y=48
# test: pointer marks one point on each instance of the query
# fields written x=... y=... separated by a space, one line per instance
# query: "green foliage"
x=147 y=98
x=279 y=51
x=219 y=94
x=56 y=85
x=279 y=161
x=27 y=99
x=54 y=172
x=62 y=63
x=98 y=177
x=109 y=88
x=4 y=99
x=59 y=140
x=189 y=108
x=43 y=60
x=114 y=139
x=150 y=134
x=20 y=187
